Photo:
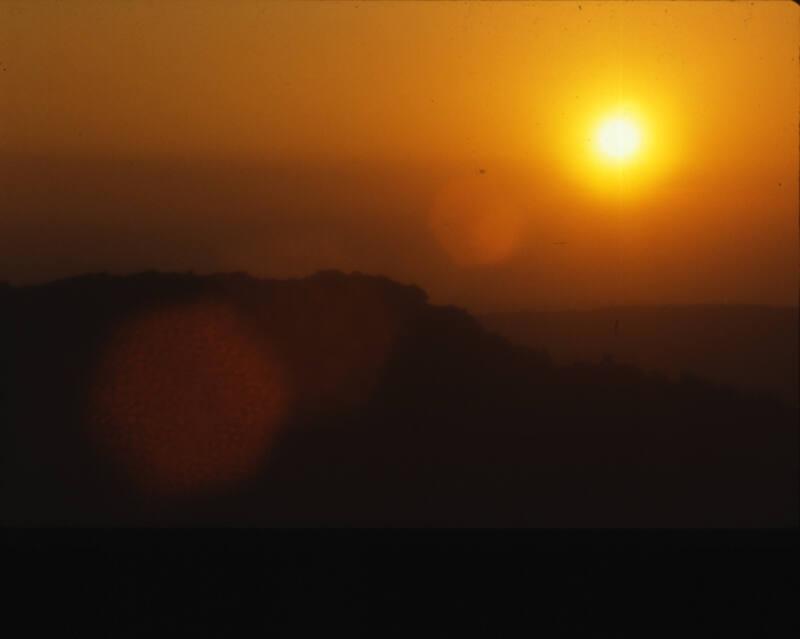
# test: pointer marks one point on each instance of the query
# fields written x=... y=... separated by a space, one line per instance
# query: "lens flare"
x=186 y=399
x=476 y=221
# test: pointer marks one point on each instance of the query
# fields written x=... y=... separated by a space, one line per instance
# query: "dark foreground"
x=162 y=399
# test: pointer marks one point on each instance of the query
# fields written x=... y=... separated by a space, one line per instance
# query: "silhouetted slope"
x=147 y=399
x=753 y=347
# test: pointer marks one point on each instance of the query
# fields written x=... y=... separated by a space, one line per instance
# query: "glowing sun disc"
x=619 y=138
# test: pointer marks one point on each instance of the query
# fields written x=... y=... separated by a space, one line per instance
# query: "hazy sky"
x=451 y=144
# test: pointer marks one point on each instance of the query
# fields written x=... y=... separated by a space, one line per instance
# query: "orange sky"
x=281 y=138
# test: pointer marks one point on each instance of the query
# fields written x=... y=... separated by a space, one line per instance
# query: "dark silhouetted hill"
x=172 y=399
x=751 y=347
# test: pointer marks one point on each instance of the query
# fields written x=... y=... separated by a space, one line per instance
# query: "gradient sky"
x=444 y=144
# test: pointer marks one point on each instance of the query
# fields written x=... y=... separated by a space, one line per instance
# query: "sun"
x=621 y=149
x=619 y=138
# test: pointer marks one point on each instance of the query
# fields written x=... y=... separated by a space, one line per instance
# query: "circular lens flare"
x=186 y=399
x=619 y=138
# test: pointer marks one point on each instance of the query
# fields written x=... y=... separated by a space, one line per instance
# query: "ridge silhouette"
x=747 y=346
x=349 y=400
